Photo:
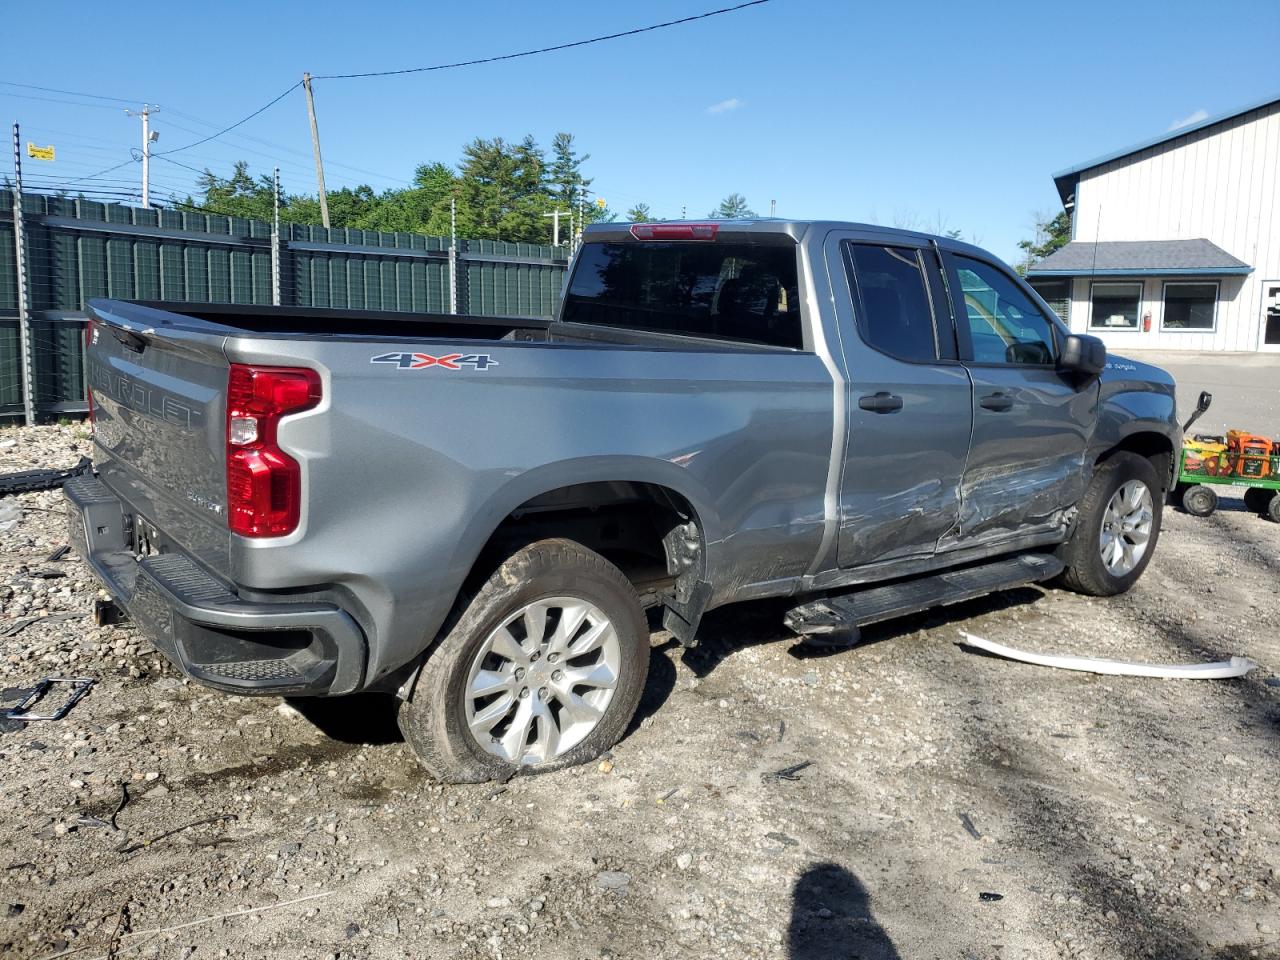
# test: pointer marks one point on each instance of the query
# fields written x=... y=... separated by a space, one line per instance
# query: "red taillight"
x=675 y=231
x=264 y=484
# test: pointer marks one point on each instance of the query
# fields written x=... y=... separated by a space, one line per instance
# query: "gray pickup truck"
x=473 y=513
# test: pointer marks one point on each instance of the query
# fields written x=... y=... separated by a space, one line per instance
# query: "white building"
x=1175 y=241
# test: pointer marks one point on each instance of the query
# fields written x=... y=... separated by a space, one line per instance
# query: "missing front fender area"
x=688 y=601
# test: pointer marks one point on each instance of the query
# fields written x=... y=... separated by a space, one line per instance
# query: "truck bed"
x=288 y=322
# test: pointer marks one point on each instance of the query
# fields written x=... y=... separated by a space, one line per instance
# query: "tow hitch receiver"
x=79 y=686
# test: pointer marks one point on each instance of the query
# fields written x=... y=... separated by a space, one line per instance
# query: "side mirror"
x=1083 y=354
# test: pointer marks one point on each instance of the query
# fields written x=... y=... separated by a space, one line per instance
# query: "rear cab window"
x=746 y=292
x=900 y=301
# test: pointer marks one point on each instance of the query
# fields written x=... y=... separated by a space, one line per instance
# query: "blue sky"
x=924 y=114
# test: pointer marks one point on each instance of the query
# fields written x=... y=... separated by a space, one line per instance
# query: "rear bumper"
x=203 y=627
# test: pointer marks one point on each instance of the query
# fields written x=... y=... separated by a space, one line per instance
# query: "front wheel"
x=542 y=669
x=1200 y=501
x=1117 y=527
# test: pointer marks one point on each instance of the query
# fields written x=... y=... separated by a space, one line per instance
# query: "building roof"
x=1130 y=258
x=1066 y=179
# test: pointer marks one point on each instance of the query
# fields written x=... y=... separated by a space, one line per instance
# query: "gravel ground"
x=953 y=806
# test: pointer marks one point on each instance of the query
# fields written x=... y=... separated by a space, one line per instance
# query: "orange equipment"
x=1251 y=453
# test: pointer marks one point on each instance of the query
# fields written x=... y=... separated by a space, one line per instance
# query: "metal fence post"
x=24 y=315
x=453 y=255
x=275 y=243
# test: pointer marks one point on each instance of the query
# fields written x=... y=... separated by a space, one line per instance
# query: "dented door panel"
x=900 y=485
x=1026 y=464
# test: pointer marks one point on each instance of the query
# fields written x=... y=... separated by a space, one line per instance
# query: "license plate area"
x=143 y=537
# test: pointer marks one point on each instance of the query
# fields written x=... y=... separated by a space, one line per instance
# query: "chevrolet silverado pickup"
x=473 y=513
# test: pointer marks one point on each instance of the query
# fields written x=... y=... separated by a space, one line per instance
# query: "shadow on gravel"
x=662 y=680
x=363 y=718
x=831 y=918
x=736 y=627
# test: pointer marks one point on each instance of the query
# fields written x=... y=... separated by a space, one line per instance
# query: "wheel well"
x=650 y=532
x=1155 y=447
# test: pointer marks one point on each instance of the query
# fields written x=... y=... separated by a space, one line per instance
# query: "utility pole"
x=275 y=241
x=148 y=138
x=555 y=216
x=20 y=264
x=315 y=146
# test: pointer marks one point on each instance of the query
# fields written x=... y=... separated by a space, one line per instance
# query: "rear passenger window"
x=1004 y=325
x=893 y=310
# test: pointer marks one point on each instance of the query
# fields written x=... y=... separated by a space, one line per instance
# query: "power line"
x=74 y=103
x=94 y=176
x=74 y=93
x=214 y=136
x=530 y=53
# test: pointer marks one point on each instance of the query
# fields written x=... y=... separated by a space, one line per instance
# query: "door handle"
x=882 y=402
x=998 y=402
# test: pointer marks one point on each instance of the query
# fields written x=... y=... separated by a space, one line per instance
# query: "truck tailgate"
x=159 y=425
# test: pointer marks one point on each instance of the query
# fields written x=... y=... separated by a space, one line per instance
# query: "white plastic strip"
x=1235 y=667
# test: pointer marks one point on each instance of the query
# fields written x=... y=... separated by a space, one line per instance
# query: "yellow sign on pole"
x=39 y=153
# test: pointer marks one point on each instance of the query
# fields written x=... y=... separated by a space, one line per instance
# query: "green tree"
x=502 y=190
x=1051 y=234
x=239 y=195
x=567 y=184
x=639 y=213
x=733 y=207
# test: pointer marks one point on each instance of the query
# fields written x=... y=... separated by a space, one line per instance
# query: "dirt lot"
x=954 y=805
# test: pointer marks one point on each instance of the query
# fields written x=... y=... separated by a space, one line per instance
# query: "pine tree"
x=732 y=207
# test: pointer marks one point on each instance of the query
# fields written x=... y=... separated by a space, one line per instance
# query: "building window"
x=1056 y=293
x=1190 y=306
x=1115 y=306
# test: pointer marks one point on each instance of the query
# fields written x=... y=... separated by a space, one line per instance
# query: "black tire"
x=433 y=718
x=1258 y=500
x=1086 y=573
x=1200 y=500
x=1273 y=508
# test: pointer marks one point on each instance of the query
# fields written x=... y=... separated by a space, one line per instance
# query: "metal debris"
x=28 y=480
x=79 y=686
x=788 y=773
x=1235 y=667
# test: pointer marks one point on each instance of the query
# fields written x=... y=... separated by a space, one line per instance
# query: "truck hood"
x=1124 y=373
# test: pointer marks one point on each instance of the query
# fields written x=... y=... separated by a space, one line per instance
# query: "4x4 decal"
x=450 y=361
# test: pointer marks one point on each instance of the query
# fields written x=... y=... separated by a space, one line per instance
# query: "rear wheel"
x=1258 y=500
x=1273 y=508
x=1200 y=501
x=1117 y=527
x=543 y=669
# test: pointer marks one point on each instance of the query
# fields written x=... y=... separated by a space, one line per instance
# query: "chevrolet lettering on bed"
x=450 y=361
x=857 y=421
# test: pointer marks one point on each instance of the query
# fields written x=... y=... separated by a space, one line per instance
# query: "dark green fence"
x=80 y=249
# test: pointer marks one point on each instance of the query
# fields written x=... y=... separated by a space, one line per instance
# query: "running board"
x=871 y=605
